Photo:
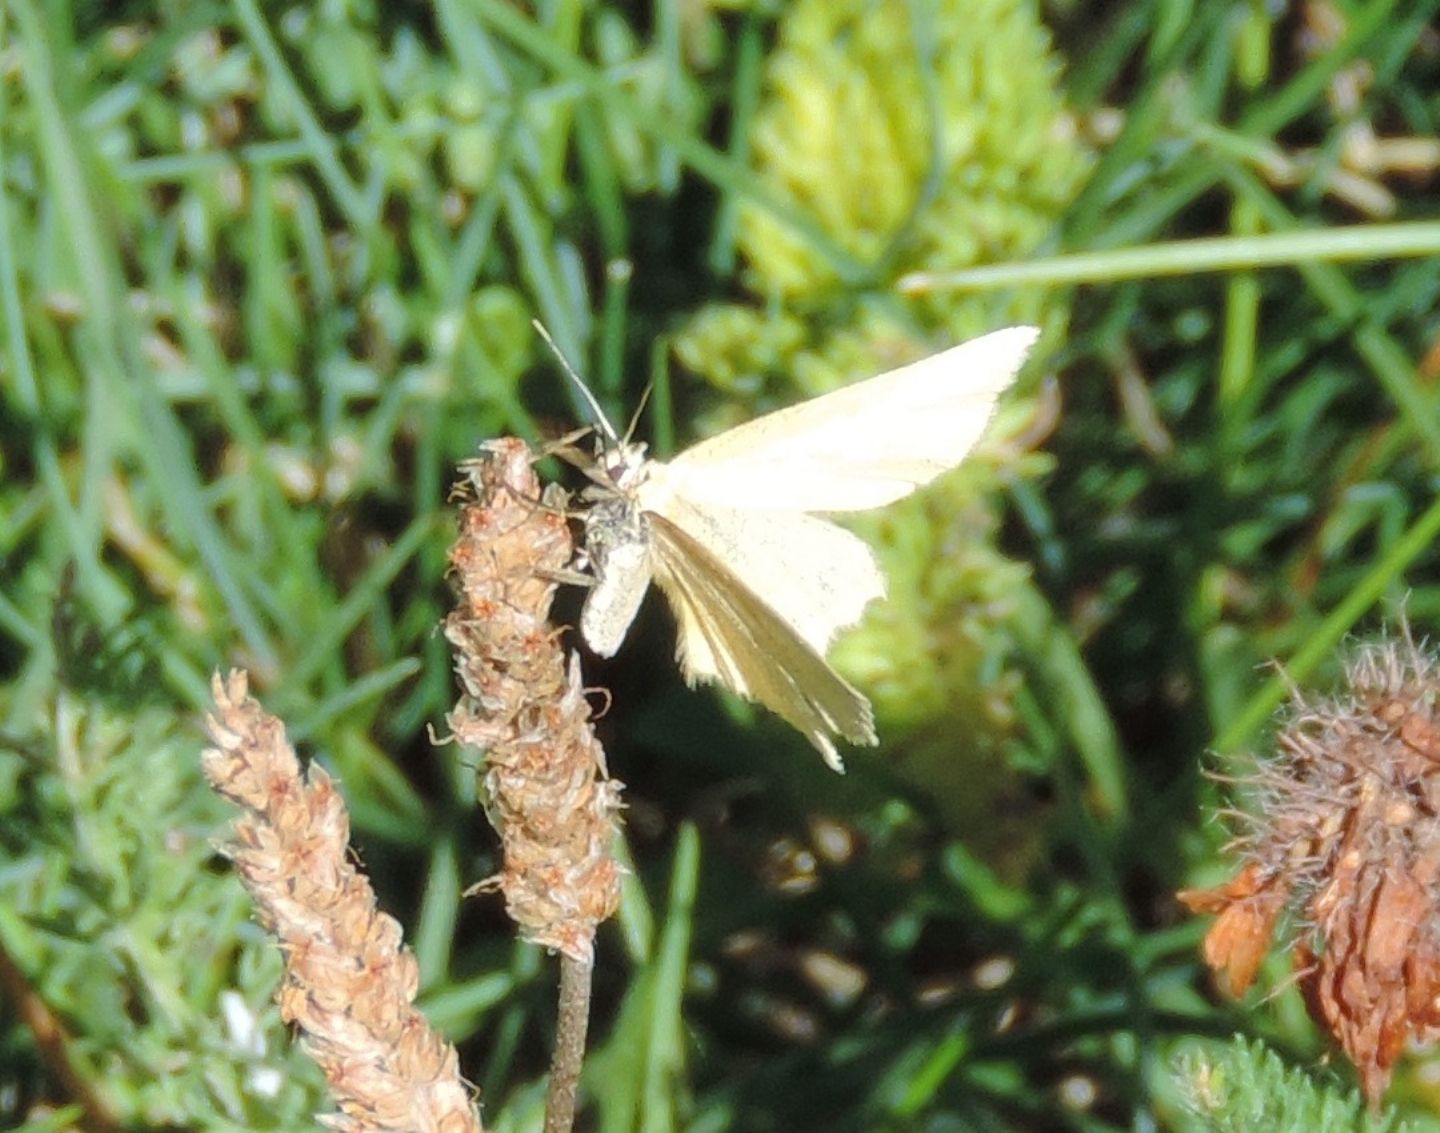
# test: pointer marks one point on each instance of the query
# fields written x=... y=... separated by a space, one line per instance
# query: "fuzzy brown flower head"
x=349 y=981
x=1344 y=832
x=548 y=793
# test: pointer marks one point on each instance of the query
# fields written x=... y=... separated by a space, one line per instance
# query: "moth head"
x=623 y=464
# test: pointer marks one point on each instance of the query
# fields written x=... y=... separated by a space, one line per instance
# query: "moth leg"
x=567 y=576
x=566 y=444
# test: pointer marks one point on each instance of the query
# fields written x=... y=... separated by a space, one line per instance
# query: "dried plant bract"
x=1343 y=832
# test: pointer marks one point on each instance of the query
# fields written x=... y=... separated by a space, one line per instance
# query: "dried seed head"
x=1344 y=832
x=349 y=982
x=548 y=793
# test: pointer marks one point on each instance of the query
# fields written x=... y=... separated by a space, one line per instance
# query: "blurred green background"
x=267 y=272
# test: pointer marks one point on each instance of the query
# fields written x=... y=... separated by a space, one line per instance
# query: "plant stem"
x=572 y=1021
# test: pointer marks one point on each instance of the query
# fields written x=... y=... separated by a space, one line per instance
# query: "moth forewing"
x=861 y=446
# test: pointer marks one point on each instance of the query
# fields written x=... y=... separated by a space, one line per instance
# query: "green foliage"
x=1246 y=1086
x=114 y=919
x=267 y=273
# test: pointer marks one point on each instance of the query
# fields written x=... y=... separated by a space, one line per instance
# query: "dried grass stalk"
x=349 y=982
x=548 y=792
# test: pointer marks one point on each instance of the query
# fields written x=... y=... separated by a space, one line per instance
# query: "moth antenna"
x=604 y=422
x=639 y=409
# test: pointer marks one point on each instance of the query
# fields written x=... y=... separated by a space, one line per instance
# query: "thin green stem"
x=321 y=145
x=1379 y=578
x=1191 y=257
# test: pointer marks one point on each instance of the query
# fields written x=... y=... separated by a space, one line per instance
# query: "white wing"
x=861 y=446
x=817 y=577
x=726 y=633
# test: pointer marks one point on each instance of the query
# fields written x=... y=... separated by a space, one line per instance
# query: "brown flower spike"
x=349 y=983
x=1344 y=832
x=548 y=793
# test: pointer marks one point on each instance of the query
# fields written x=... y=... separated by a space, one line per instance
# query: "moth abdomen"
x=617 y=545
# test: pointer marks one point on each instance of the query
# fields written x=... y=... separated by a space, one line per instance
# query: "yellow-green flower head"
x=930 y=135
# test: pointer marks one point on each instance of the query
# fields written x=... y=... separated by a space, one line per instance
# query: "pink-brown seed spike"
x=548 y=793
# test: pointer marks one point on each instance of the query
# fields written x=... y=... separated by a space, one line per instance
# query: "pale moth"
x=759 y=587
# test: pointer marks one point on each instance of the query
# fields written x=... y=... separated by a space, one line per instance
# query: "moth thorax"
x=612 y=522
